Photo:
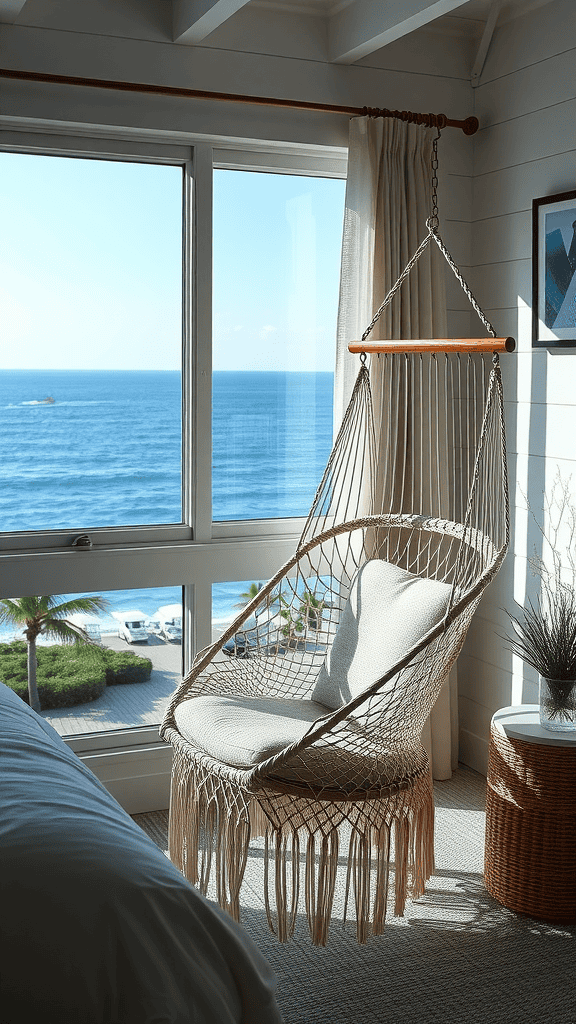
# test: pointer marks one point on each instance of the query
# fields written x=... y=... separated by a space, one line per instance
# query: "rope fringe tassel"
x=212 y=822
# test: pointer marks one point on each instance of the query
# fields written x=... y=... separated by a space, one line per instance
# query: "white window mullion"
x=201 y=347
x=188 y=347
x=197 y=388
x=198 y=603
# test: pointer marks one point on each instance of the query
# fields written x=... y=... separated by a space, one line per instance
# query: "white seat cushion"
x=243 y=731
x=388 y=612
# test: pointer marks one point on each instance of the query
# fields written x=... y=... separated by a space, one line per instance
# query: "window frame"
x=198 y=552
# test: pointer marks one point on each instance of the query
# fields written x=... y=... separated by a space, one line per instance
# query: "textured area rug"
x=456 y=957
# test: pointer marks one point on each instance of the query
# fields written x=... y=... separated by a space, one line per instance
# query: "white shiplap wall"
x=526 y=148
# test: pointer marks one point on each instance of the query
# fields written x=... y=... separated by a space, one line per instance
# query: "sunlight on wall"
x=520 y=531
x=519 y=487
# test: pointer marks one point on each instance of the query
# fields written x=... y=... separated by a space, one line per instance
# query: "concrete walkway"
x=125 y=706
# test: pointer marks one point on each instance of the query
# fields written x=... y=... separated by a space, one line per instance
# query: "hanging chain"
x=433 y=222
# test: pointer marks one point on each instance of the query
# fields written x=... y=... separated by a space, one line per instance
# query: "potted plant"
x=545 y=636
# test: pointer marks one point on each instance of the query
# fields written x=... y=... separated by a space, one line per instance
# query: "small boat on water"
x=41 y=401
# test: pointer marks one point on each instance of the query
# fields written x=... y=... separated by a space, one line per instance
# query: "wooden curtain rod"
x=469 y=126
x=435 y=345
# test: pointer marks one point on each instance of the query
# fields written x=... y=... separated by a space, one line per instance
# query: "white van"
x=132 y=627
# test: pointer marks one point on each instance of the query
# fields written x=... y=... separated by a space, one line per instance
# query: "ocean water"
x=272 y=435
x=107 y=452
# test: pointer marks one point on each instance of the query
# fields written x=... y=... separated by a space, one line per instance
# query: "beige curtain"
x=388 y=199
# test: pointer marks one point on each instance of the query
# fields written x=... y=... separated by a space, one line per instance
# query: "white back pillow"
x=388 y=612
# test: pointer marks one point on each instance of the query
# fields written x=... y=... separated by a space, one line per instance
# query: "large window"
x=276 y=261
x=166 y=381
x=90 y=394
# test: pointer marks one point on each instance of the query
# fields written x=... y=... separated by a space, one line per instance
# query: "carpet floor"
x=456 y=957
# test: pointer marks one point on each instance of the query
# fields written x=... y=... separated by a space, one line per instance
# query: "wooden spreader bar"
x=435 y=345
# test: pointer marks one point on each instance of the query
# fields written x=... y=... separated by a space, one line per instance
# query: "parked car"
x=91 y=627
x=132 y=627
x=172 y=633
x=154 y=627
x=94 y=632
x=246 y=641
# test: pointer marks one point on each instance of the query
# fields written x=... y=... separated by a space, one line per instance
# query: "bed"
x=97 y=926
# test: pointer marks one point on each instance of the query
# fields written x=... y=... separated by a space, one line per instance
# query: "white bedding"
x=97 y=926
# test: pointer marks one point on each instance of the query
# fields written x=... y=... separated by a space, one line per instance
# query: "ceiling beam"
x=9 y=10
x=193 y=20
x=363 y=26
x=485 y=41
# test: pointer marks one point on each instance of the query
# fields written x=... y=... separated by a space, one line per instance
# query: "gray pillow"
x=388 y=612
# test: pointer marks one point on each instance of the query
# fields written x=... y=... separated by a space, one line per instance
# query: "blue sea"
x=107 y=452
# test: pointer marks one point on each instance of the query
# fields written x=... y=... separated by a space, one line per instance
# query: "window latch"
x=83 y=541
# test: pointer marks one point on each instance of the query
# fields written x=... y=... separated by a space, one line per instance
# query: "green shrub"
x=67 y=691
x=125 y=667
x=13 y=664
x=66 y=675
x=70 y=674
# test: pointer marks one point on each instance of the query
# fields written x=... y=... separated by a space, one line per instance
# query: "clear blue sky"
x=90 y=266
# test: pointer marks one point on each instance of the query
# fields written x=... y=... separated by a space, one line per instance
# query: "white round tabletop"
x=523 y=723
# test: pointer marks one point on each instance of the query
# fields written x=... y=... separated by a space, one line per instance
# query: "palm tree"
x=311 y=610
x=45 y=616
x=249 y=595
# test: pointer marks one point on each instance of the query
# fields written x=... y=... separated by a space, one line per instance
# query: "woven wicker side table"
x=530 y=852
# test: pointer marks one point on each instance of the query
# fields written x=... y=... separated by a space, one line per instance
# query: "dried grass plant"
x=545 y=636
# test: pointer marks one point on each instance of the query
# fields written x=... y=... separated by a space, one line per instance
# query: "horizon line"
x=120 y=369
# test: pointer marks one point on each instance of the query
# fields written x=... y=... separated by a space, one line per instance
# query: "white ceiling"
x=353 y=29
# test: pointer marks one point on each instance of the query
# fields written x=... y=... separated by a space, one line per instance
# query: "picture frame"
x=554 y=270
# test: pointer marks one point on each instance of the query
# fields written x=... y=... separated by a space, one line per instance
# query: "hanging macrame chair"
x=302 y=724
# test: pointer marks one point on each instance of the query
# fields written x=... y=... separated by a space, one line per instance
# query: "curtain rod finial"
x=470 y=126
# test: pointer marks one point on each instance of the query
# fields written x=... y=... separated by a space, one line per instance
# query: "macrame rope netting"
x=358 y=775
x=418 y=483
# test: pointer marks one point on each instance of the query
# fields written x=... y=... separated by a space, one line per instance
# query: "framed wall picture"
x=554 y=270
